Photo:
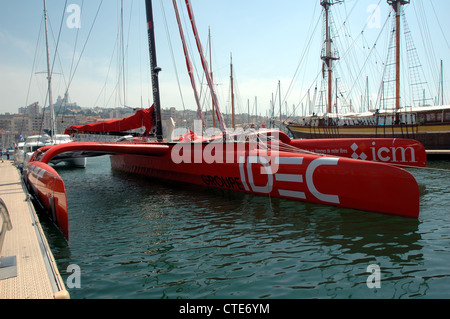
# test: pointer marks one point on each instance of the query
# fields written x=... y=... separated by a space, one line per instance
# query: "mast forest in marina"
x=421 y=121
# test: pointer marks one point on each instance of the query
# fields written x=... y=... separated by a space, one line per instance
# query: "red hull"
x=397 y=151
x=46 y=184
x=285 y=171
x=311 y=178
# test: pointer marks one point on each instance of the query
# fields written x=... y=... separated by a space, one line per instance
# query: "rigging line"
x=107 y=74
x=424 y=168
x=281 y=146
x=308 y=44
x=32 y=69
x=124 y=50
x=120 y=58
x=200 y=75
x=306 y=94
x=84 y=47
x=344 y=23
x=125 y=54
x=205 y=66
x=426 y=40
x=437 y=19
x=56 y=53
x=59 y=37
x=122 y=53
x=361 y=34
x=188 y=65
x=370 y=53
x=76 y=42
x=34 y=62
x=169 y=40
x=120 y=71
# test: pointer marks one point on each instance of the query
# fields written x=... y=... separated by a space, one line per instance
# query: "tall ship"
x=393 y=116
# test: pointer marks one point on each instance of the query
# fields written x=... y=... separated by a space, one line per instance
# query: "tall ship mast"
x=328 y=54
x=394 y=116
x=397 y=7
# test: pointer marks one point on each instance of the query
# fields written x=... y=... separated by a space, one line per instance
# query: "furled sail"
x=142 y=118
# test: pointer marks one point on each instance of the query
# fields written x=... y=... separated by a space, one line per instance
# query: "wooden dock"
x=27 y=267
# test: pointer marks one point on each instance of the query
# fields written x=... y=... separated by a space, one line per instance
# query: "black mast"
x=154 y=69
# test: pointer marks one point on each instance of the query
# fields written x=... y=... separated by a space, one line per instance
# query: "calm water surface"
x=136 y=238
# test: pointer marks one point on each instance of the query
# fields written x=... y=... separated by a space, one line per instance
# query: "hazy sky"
x=270 y=41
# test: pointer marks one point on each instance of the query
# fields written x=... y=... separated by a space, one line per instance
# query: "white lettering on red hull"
x=245 y=170
x=310 y=182
x=386 y=154
x=268 y=171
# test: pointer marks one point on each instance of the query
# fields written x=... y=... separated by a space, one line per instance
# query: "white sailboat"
x=33 y=143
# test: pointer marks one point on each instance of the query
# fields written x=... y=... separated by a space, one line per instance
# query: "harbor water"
x=132 y=237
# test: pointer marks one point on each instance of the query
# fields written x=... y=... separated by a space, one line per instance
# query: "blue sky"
x=268 y=40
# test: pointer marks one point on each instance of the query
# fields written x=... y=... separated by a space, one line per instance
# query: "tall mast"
x=232 y=91
x=279 y=95
x=154 y=69
x=189 y=64
x=49 y=78
x=205 y=66
x=442 y=83
x=397 y=5
x=327 y=53
x=212 y=78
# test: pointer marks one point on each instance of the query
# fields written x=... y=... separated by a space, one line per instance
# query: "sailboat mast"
x=327 y=55
x=49 y=78
x=442 y=83
x=205 y=66
x=232 y=91
x=212 y=77
x=279 y=95
x=397 y=5
x=189 y=64
x=154 y=68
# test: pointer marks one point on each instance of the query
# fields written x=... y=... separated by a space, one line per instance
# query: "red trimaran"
x=361 y=174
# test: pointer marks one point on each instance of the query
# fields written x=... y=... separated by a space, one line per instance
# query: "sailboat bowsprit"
x=266 y=163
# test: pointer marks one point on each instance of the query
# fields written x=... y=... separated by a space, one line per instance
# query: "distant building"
x=31 y=109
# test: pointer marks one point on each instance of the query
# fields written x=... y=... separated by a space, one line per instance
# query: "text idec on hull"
x=335 y=181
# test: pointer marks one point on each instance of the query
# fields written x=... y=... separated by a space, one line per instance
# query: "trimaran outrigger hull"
x=284 y=172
